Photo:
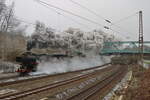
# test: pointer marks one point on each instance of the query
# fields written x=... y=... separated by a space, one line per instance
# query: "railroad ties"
x=83 y=84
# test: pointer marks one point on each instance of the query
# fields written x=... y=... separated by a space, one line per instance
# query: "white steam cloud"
x=71 y=64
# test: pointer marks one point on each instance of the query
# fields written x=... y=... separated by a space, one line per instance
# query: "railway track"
x=50 y=86
x=11 y=81
x=8 y=77
x=88 y=93
x=17 y=79
x=91 y=91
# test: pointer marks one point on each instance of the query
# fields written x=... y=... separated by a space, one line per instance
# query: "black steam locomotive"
x=28 y=64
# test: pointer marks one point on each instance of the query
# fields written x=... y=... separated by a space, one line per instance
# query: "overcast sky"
x=114 y=10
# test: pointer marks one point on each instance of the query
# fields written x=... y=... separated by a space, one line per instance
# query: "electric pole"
x=141 y=35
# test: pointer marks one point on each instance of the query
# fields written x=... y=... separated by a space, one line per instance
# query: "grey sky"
x=113 y=10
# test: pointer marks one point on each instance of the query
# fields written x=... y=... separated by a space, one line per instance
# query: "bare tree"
x=8 y=22
x=11 y=41
x=2 y=13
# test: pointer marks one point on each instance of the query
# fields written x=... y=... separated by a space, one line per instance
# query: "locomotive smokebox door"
x=28 y=63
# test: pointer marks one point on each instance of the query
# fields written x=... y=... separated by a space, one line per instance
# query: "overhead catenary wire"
x=89 y=10
x=81 y=17
x=34 y=24
x=65 y=16
x=98 y=15
x=84 y=18
x=105 y=19
x=69 y=12
x=24 y=21
x=125 y=18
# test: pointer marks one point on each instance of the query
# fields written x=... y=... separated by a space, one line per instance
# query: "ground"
x=139 y=88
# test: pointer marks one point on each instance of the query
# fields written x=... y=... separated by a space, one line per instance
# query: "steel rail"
x=46 y=76
x=46 y=87
x=89 y=92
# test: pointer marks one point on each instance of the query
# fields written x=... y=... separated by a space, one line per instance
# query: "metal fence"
x=8 y=67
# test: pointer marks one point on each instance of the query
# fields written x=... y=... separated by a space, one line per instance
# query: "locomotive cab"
x=28 y=64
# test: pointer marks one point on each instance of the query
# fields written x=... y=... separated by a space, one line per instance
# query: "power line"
x=121 y=28
x=112 y=29
x=108 y=21
x=65 y=16
x=88 y=10
x=69 y=12
x=81 y=17
x=118 y=32
x=76 y=21
x=24 y=21
x=125 y=18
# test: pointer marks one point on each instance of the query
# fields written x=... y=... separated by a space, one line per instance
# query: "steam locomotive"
x=28 y=63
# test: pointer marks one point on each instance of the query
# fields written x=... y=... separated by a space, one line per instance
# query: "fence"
x=8 y=67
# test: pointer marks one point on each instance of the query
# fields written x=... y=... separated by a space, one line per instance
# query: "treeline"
x=12 y=39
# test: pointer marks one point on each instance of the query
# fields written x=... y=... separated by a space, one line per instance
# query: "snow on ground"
x=70 y=64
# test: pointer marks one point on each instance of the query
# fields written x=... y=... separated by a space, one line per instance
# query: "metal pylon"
x=141 y=34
